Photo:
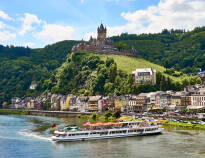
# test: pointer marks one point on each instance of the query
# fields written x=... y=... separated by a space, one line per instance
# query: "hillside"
x=19 y=69
x=178 y=49
x=97 y=74
x=129 y=64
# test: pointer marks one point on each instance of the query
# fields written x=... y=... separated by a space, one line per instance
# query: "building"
x=93 y=103
x=162 y=100
x=141 y=103
x=131 y=104
x=102 y=35
x=63 y=103
x=101 y=44
x=176 y=100
x=165 y=100
x=108 y=103
x=33 y=86
x=119 y=103
x=82 y=103
x=185 y=101
x=73 y=106
x=197 y=102
x=144 y=76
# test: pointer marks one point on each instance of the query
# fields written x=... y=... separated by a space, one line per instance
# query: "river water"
x=28 y=137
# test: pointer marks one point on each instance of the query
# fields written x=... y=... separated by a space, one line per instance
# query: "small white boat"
x=117 y=130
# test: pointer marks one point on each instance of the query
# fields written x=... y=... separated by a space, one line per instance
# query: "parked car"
x=202 y=123
x=195 y=122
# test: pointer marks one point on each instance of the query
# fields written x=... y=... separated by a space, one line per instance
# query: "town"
x=192 y=98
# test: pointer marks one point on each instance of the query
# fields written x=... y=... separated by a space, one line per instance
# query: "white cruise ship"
x=105 y=131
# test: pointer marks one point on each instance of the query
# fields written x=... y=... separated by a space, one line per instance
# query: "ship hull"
x=56 y=139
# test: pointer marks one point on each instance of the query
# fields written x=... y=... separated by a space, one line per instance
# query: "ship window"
x=140 y=130
x=113 y=132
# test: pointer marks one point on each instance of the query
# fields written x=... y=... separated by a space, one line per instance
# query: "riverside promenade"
x=70 y=113
x=55 y=113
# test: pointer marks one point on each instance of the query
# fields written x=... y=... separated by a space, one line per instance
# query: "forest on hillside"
x=20 y=66
x=86 y=73
x=171 y=48
x=174 y=49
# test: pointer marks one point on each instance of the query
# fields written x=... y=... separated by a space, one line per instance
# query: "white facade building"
x=145 y=75
x=33 y=86
x=197 y=101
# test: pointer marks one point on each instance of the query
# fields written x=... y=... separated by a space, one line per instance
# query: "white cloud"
x=28 y=21
x=54 y=32
x=87 y=35
x=29 y=44
x=4 y=16
x=6 y=36
x=2 y=25
x=177 y=14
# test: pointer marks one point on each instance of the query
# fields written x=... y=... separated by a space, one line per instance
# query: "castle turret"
x=102 y=33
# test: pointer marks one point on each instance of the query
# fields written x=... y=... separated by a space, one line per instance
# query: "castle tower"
x=102 y=33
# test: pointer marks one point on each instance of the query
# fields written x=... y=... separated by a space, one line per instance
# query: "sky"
x=37 y=23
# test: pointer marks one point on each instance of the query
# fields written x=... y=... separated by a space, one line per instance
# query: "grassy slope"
x=129 y=64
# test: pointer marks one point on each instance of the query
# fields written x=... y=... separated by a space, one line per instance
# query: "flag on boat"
x=53 y=126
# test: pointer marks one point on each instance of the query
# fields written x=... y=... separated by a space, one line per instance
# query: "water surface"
x=29 y=137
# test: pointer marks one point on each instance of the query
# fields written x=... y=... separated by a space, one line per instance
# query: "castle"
x=102 y=45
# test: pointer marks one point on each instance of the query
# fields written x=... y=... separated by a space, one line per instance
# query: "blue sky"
x=37 y=23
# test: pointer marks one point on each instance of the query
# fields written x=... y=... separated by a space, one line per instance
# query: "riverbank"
x=14 y=112
x=184 y=125
x=107 y=117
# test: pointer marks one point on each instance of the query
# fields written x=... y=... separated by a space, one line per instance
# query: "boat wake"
x=35 y=135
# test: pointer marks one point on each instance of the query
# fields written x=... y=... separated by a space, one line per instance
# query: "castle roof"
x=101 y=28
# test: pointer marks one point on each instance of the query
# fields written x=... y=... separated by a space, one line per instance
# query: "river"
x=28 y=137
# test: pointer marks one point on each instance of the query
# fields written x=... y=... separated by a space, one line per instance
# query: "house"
x=73 y=105
x=82 y=103
x=131 y=104
x=63 y=103
x=93 y=103
x=150 y=99
x=192 y=89
x=33 y=86
x=53 y=100
x=158 y=100
x=165 y=100
x=175 y=103
x=144 y=76
x=66 y=103
x=119 y=103
x=107 y=103
x=162 y=100
x=16 y=103
x=141 y=103
x=197 y=101
x=176 y=100
x=56 y=102
x=185 y=101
